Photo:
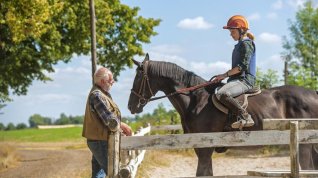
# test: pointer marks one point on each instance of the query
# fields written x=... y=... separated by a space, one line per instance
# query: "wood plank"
x=294 y=149
x=166 y=127
x=216 y=139
x=283 y=124
x=113 y=154
x=230 y=176
x=130 y=170
x=283 y=173
x=143 y=131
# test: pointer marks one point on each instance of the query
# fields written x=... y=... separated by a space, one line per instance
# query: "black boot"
x=243 y=118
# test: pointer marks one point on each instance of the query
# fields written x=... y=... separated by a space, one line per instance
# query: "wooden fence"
x=293 y=137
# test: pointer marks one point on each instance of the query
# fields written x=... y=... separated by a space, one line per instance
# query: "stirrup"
x=243 y=122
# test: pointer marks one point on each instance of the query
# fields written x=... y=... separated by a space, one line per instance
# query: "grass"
x=43 y=135
x=8 y=156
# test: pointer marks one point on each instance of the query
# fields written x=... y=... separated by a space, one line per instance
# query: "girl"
x=242 y=75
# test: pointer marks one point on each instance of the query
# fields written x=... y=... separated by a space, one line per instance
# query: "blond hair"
x=250 y=36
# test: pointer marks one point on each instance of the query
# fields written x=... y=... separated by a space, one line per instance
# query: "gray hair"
x=100 y=74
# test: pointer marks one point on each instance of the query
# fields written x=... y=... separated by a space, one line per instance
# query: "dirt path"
x=50 y=161
x=65 y=160
x=185 y=165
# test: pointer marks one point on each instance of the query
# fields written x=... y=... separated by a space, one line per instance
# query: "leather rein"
x=145 y=84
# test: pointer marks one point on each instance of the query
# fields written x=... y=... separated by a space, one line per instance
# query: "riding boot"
x=243 y=118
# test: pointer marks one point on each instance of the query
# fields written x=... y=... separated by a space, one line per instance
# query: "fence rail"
x=293 y=137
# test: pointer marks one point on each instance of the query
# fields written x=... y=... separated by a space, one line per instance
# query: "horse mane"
x=175 y=72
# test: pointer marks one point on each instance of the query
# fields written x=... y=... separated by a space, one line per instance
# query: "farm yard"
x=58 y=157
x=72 y=159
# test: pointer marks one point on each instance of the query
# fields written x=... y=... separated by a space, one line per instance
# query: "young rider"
x=241 y=77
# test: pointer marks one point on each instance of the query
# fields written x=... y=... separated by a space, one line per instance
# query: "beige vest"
x=93 y=127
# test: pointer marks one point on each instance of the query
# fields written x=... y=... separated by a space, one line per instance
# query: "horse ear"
x=147 y=57
x=136 y=63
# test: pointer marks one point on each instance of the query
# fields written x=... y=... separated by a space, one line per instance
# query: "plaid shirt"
x=100 y=107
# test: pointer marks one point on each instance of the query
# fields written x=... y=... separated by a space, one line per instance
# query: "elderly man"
x=99 y=109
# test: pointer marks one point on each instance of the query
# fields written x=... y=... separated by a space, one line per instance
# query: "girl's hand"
x=218 y=78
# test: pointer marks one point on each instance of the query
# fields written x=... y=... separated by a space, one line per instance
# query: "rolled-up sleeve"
x=99 y=106
x=246 y=52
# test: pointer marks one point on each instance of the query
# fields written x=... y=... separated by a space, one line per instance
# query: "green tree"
x=161 y=115
x=76 y=119
x=35 y=35
x=63 y=120
x=2 y=127
x=37 y=119
x=10 y=126
x=301 y=49
x=21 y=126
x=266 y=80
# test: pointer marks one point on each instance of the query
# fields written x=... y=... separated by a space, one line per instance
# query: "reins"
x=183 y=90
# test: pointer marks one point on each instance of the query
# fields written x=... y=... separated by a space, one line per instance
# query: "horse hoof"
x=220 y=149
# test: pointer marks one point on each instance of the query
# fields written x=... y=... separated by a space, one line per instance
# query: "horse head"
x=143 y=88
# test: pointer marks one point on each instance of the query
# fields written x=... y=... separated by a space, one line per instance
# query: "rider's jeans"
x=233 y=88
x=99 y=158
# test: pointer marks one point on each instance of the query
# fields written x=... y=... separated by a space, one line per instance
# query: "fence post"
x=294 y=150
x=113 y=149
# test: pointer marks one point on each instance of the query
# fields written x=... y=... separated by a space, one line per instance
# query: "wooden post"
x=113 y=149
x=93 y=36
x=294 y=150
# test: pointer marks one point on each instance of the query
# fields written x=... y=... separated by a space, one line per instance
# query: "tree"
x=10 y=126
x=36 y=35
x=266 y=80
x=301 y=49
x=62 y=120
x=2 y=127
x=37 y=119
x=21 y=126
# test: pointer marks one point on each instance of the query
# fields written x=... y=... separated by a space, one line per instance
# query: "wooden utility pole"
x=93 y=37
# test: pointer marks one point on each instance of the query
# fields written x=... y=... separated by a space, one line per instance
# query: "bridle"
x=145 y=84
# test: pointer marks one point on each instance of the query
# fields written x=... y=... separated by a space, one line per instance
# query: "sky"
x=190 y=35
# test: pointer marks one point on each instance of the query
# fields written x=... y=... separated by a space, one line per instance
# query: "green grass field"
x=43 y=135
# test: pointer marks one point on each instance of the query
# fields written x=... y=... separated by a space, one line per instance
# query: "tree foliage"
x=266 y=80
x=35 y=35
x=37 y=119
x=302 y=49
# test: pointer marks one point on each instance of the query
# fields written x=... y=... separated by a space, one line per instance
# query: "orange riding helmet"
x=237 y=22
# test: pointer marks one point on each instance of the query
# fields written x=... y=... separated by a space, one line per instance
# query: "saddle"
x=241 y=98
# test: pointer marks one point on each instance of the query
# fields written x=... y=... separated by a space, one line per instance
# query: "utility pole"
x=93 y=37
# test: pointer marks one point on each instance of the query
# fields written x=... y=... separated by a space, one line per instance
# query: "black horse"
x=199 y=115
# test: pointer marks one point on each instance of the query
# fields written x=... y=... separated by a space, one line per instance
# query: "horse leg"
x=306 y=156
x=204 y=161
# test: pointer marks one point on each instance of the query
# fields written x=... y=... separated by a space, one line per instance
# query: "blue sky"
x=190 y=35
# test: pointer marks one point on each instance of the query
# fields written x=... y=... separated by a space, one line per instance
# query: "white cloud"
x=269 y=38
x=255 y=16
x=272 y=15
x=197 y=23
x=206 y=70
x=296 y=3
x=168 y=58
x=277 y=5
x=273 y=62
x=167 y=49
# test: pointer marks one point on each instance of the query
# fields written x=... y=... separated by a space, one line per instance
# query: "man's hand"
x=126 y=129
